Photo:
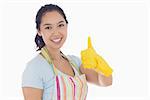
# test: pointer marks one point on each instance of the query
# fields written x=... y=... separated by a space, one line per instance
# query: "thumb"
x=89 y=42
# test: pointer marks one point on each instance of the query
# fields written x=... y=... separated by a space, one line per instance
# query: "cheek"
x=64 y=32
x=65 y=35
x=45 y=37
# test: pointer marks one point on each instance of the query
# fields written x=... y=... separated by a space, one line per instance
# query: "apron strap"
x=44 y=53
x=75 y=65
x=51 y=64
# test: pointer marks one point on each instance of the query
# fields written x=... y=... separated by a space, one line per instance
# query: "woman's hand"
x=91 y=60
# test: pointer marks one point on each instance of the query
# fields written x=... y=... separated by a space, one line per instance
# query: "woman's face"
x=53 y=29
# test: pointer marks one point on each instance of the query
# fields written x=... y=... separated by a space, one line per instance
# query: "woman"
x=51 y=75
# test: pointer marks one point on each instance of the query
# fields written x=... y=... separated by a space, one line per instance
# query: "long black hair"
x=43 y=10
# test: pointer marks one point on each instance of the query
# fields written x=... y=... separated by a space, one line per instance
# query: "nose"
x=55 y=31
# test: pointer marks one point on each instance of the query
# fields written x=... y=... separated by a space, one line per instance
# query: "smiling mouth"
x=57 y=40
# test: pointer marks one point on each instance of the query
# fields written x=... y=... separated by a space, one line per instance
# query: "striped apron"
x=67 y=87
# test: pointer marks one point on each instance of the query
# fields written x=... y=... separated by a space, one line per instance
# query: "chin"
x=55 y=46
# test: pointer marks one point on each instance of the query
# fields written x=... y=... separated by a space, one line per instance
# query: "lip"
x=56 y=40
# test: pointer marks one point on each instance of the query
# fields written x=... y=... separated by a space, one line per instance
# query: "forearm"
x=103 y=80
x=96 y=78
x=32 y=93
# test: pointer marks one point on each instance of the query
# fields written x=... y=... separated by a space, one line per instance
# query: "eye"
x=61 y=25
x=48 y=27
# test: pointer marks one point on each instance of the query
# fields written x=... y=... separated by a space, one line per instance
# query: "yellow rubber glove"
x=90 y=59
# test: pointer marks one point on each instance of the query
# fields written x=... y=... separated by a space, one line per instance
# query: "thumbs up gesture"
x=90 y=59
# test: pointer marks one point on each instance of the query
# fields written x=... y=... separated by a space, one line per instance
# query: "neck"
x=54 y=54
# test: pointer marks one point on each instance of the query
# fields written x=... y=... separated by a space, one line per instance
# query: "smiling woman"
x=53 y=30
x=48 y=18
x=51 y=75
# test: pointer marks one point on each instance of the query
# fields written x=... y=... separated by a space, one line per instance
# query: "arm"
x=96 y=69
x=32 y=93
x=96 y=78
x=32 y=83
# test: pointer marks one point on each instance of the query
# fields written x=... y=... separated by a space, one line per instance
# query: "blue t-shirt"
x=39 y=74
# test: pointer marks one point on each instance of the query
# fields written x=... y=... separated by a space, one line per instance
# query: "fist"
x=90 y=59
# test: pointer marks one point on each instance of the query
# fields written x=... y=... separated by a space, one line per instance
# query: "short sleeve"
x=31 y=77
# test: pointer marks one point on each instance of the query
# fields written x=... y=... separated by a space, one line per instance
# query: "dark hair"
x=43 y=10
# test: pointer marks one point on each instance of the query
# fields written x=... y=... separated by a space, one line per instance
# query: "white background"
x=119 y=31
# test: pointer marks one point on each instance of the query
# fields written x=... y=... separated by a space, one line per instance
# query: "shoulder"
x=37 y=61
x=37 y=72
x=38 y=64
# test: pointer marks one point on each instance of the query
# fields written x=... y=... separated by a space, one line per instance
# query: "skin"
x=53 y=26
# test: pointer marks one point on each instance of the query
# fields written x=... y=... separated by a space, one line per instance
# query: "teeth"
x=56 y=40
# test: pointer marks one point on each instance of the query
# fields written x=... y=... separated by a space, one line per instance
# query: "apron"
x=67 y=87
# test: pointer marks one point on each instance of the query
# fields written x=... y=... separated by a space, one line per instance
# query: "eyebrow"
x=51 y=24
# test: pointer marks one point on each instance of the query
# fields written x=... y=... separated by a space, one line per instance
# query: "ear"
x=39 y=33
